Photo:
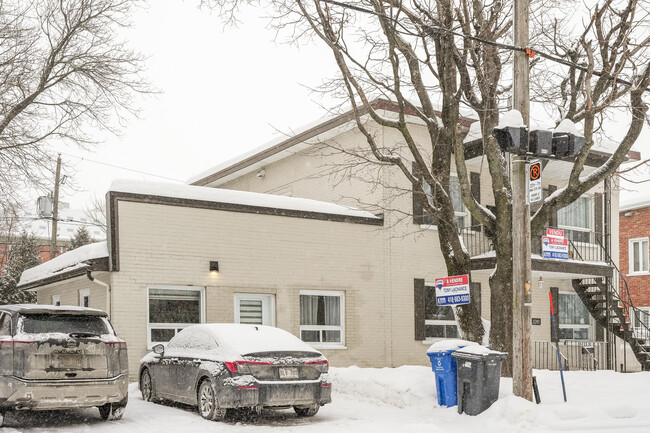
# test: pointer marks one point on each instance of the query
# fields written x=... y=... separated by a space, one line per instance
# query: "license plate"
x=70 y=361
x=288 y=373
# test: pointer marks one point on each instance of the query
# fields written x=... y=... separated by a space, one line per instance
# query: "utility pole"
x=55 y=208
x=522 y=373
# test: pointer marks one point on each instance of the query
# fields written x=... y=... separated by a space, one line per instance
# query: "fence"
x=575 y=355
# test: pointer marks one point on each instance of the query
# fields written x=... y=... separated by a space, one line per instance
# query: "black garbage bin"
x=478 y=377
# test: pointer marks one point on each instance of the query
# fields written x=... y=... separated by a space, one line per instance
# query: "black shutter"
x=555 y=331
x=418 y=197
x=420 y=213
x=419 y=307
x=553 y=220
x=598 y=217
x=475 y=186
x=475 y=290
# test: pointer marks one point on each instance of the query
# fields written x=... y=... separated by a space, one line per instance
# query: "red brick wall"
x=635 y=225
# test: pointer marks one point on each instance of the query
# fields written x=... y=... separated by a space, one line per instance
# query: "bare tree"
x=95 y=213
x=418 y=52
x=64 y=73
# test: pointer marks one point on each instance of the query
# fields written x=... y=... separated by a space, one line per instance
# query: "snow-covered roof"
x=66 y=262
x=245 y=339
x=190 y=192
x=635 y=203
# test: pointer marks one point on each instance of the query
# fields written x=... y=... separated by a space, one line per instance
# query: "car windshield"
x=64 y=323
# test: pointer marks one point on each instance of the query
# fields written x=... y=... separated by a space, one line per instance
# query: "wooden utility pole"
x=522 y=373
x=55 y=208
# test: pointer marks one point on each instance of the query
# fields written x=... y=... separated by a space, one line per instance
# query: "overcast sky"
x=223 y=92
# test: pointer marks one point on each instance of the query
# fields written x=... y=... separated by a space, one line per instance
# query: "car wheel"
x=146 y=385
x=304 y=411
x=207 y=402
x=112 y=411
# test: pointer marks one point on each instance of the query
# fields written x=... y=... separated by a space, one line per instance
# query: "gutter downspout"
x=108 y=291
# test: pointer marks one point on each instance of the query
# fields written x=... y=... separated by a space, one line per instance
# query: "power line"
x=531 y=52
x=121 y=168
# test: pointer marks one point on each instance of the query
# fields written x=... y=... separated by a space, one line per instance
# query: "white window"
x=172 y=308
x=639 y=256
x=84 y=298
x=573 y=317
x=322 y=318
x=439 y=322
x=255 y=309
x=456 y=199
x=56 y=300
x=577 y=219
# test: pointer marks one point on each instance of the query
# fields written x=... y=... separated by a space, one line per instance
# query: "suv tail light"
x=118 y=361
x=244 y=366
x=19 y=356
x=321 y=365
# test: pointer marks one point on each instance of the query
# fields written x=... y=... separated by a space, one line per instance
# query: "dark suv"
x=60 y=358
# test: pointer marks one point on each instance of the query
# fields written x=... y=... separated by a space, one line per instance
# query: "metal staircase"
x=612 y=308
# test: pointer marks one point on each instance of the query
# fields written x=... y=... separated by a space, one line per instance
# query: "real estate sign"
x=555 y=248
x=452 y=290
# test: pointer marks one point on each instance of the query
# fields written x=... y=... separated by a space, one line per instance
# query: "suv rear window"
x=65 y=324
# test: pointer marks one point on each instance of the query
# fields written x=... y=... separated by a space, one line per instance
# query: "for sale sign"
x=556 y=233
x=555 y=248
x=452 y=290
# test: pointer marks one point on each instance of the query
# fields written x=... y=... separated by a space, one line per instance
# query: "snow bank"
x=66 y=262
x=245 y=198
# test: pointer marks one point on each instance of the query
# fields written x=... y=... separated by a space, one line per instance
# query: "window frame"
x=175 y=326
x=431 y=322
x=457 y=214
x=84 y=293
x=341 y=327
x=573 y=326
x=592 y=220
x=268 y=306
x=55 y=299
x=630 y=250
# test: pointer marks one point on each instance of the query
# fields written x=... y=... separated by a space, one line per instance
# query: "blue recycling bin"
x=444 y=367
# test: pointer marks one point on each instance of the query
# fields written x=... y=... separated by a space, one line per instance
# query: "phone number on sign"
x=457 y=299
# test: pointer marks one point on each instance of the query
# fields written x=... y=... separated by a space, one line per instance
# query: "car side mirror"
x=159 y=349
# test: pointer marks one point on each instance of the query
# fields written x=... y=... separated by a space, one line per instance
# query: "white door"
x=255 y=309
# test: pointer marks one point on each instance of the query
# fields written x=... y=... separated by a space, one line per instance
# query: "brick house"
x=295 y=251
x=634 y=229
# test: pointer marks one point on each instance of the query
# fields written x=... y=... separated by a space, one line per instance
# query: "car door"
x=200 y=344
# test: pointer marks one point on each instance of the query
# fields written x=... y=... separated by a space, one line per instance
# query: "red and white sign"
x=555 y=248
x=452 y=290
x=555 y=233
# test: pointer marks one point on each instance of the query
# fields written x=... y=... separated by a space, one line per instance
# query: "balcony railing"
x=583 y=245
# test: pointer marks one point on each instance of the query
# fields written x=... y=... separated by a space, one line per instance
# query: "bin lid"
x=446 y=346
x=478 y=352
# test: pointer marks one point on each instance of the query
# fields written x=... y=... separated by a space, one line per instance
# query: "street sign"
x=452 y=290
x=555 y=248
x=535 y=182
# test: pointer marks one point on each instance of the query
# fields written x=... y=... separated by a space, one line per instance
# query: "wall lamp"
x=214 y=266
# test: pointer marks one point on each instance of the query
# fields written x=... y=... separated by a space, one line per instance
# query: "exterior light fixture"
x=214 y=266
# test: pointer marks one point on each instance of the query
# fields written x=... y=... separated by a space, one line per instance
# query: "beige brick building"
x=293 y=253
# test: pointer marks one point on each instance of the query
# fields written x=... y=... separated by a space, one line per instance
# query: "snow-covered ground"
x=394 y=400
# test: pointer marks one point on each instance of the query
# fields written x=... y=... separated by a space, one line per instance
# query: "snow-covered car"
x=60 y=358
x=225 y=366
